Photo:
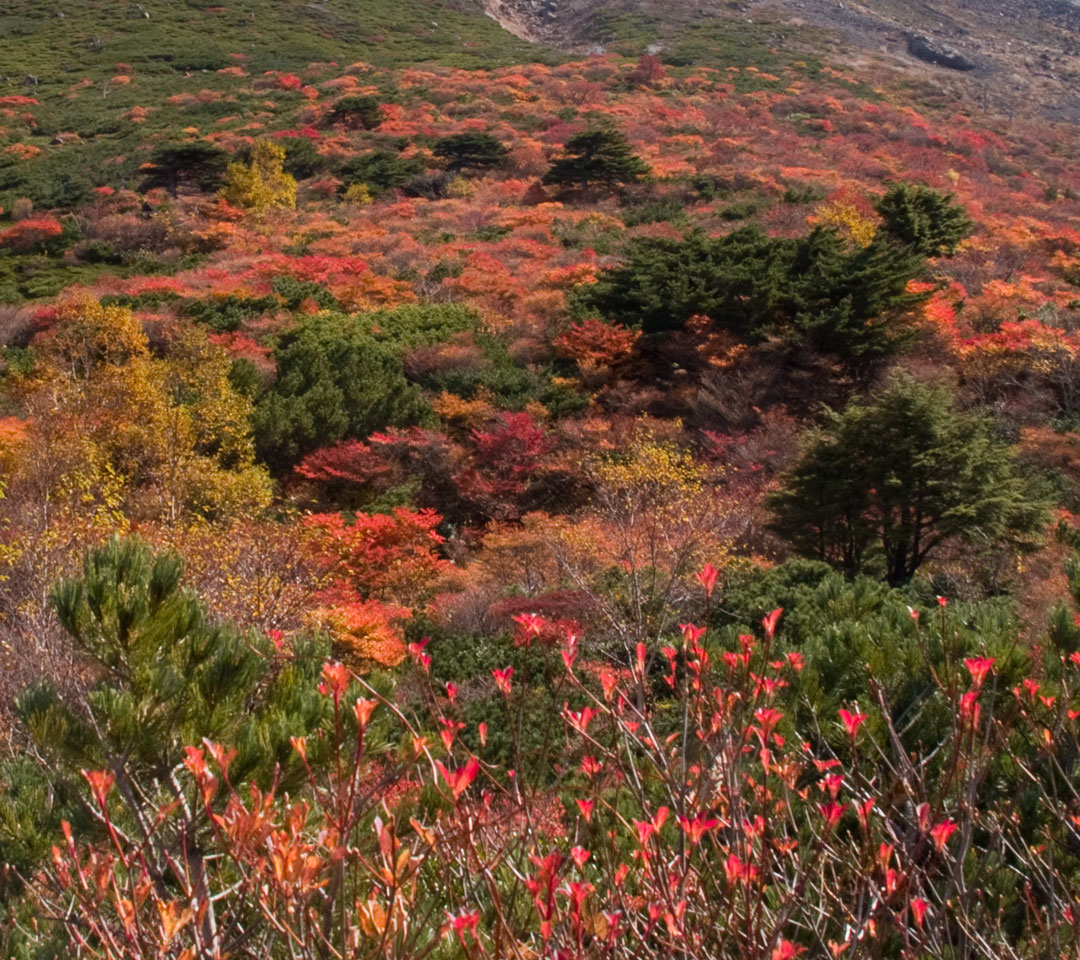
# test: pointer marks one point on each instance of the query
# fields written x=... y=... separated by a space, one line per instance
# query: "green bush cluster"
x=818 y=289
x=165 y=678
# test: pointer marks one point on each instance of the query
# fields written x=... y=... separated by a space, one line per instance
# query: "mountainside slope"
x=94 y=82
x=53 y=44
x=480 y=381
x=1025 y=54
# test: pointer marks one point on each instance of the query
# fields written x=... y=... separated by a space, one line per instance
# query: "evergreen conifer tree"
x=162 y=679
x=813 y=289
x=601 y=156
x=196 y=163
x=932 y=223
x=363 y=112
x=380 y=171
x=885 y=484
x=342 y=376
x=851 y=303
x=478 y=151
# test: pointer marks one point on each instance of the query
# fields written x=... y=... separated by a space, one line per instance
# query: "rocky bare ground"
x=1025 y=54
x=1018 y=57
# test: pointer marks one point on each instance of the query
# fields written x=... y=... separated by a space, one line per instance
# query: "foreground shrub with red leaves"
x=680 y=806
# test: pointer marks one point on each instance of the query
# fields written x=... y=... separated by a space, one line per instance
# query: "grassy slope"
x=685 y=37
x=177 y=50
x=93 y=35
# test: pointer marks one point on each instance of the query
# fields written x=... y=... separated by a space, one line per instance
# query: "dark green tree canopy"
x=886 y=483
x=473 y=150
x=601 y=156
x=817 y=289
x=381 y=170
x=302 y=157
x=344 y=376
x=168 y=677
x=932 y=223
x=357 y=112
x=194 y=163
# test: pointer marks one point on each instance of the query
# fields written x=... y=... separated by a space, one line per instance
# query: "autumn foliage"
x=609 y=507
x=770 y=842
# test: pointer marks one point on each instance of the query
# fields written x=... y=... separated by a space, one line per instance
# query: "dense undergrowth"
x=460 y=500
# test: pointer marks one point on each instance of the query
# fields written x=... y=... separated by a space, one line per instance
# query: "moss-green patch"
x=39 y=278
x=690 y=41
x=90 y=37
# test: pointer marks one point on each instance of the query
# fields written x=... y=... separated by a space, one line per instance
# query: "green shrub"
x=813 y=289
x=361 y=112
x=596 y=157
x=343 y=376
x=471 y=150
x=302 y=157
x=229 y=313
x=655 y=210
x=932 y=223
x=380 y=171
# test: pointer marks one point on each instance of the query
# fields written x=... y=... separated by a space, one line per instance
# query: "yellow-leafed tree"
x=157 y=437
x=262 y=184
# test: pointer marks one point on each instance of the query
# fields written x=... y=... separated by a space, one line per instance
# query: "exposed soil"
x=521 y=17
x=1026 y=53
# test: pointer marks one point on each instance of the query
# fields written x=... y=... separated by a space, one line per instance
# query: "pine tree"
x=813 y=289
x=851 y=303
x=932 y=223
x=884 y=485
x=196 y=163
x=601 y=156
x=302 y=157
x=163 y=679
x=357 y=112
x=380 y=171
x=479 y=151
x=338 y=379
x=663 y=282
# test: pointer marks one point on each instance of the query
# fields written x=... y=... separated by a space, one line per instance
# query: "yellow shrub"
x=359 y=193
x=263 y=184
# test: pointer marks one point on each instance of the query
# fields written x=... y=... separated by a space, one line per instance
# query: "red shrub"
x=28 y=235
